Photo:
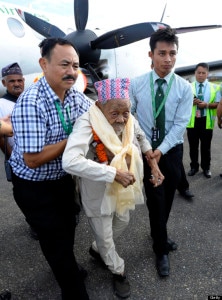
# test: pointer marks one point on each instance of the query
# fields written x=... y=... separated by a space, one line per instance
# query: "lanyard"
x=156 y=113
x=66 y=126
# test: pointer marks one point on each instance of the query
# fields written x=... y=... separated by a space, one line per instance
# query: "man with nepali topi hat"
x=104 y=150
x=14 y=82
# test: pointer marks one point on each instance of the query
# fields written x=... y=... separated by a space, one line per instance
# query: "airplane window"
x=16 y=27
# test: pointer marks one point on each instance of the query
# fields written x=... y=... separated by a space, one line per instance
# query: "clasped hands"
x=125 y=178
x=199 y=103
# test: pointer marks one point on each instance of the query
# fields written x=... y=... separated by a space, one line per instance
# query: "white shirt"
x=6 y=108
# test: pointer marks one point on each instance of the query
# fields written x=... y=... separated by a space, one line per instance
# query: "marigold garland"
x=100 y=148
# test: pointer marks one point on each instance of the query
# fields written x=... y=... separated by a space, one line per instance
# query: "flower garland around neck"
x=100 y=149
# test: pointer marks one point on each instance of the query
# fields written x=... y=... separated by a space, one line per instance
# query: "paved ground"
x=196 y=269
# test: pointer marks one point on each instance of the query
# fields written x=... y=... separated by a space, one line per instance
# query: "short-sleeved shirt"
x=206 y=87
x=36 y=123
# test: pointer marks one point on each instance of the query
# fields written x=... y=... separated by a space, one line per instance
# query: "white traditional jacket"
x=79 y=158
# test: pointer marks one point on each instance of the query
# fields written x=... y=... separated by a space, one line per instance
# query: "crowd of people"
x=131 y=137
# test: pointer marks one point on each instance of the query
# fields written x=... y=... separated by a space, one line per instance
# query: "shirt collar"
x=50 y=94
x=167 y=77
x=204 y=82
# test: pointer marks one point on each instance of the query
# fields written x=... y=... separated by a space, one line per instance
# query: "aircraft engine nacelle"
x=81 y=40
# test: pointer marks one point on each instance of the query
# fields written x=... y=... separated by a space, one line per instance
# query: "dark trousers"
x=183 y=183
x=49 y=207
x=160 y=199
x=196 y=135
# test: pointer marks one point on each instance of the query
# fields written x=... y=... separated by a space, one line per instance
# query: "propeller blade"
x=81 y=8
x=164 y=10
x=126 y=35
x=196 y=28
x=44 y=28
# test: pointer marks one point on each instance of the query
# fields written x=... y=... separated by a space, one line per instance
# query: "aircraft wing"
x=196 y=28
x=187 y=70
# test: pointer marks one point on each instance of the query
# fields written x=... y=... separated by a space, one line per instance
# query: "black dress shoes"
x=121 y=286
x=163 y=265
x=207 y=173
x=172 y=246
x=186 y=194
x=192 y=172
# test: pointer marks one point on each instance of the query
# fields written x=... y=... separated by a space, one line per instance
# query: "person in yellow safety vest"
x=200 y=127
x=219 y=115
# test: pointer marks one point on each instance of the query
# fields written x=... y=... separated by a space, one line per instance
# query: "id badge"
x=198 y=114
x=155 y=134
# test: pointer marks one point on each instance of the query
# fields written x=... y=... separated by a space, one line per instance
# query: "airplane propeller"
x=85 y=40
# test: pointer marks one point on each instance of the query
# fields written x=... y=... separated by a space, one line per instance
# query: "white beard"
x=118 y=128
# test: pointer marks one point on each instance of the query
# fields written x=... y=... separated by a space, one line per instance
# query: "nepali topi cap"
x=11 y=69
x=109 y=89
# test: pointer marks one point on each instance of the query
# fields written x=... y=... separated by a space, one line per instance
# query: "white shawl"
x=119 y=199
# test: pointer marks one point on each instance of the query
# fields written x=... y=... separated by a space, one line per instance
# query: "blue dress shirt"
x=178 y=107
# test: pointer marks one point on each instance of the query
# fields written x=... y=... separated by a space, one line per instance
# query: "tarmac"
x=196 y=268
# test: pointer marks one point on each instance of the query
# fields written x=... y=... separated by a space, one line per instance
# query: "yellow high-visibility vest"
x=210 y=113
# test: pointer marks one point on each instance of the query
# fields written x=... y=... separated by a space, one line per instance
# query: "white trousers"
x=106 y=229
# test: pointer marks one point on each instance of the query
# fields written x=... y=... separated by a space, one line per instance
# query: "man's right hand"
x=125 y=178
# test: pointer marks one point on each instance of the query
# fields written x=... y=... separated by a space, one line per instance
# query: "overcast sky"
x=117 y=13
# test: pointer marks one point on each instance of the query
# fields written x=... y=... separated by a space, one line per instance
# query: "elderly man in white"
x=104 y=150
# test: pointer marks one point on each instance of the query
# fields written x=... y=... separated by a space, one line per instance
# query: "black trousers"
x=49 y=207
x=200 y=135
x=160 y=199
x=183 y=183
